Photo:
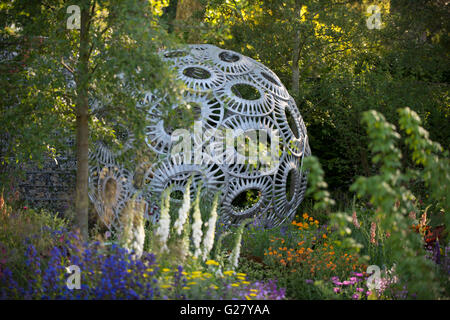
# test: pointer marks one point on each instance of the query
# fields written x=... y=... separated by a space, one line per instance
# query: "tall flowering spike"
x=127 y=217
x=208 y=240
x=373 y=229
x=163 y=230
x=2 y=201
x=423 y=220
x=2 y=204
x=234 y=257
x=138 y=235
x=183 y=212
x=185 y=243
x=355 y=220
x=197 y=225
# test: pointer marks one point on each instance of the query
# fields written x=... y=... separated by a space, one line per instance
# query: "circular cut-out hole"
x=175 y=54
x=251 y=146
x=229 y=56
x=246 y=91
x=197 y=73
x=176 y=195
x=121 y=133
x=181 y=117
x=292 y=123
x=291 y=182
x=246 y=199
x=270 y=78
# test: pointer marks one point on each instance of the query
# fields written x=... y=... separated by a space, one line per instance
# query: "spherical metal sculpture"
x=231 y=92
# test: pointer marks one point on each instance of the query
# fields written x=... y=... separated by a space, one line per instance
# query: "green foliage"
x=22 y=227
x=344 y=68
x=39 y=99
x=388 y=193
x=318 y=186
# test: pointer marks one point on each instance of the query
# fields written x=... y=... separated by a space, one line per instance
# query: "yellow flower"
x=165 y=270
x=229 y=273
x=186 y=288
x=165 y=286
x=149 y=270
x=213 y=286
x=241 y=274
x=245 y=282
x=248 y=298
x=254 y=290
x=235 y=284
x=212 y=262
x=241 y=278
x=129 y=270
x=253 y=294
x=191 y=283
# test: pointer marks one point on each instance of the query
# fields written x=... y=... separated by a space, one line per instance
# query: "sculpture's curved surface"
x=230 y=93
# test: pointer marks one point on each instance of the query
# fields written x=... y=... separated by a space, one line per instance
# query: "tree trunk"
x=295 y=68
x=82 y=123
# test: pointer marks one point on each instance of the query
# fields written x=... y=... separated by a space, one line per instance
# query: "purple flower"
x=360 y=289
x=355 y=296
x=309 y=281
x=347 y=283
x=358 y=274
x=337 y=290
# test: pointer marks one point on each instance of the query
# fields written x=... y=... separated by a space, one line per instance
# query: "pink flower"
x=355 y=220
x=373 y=229
x=25 y=208
x=337 y=290
x=355 y=296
